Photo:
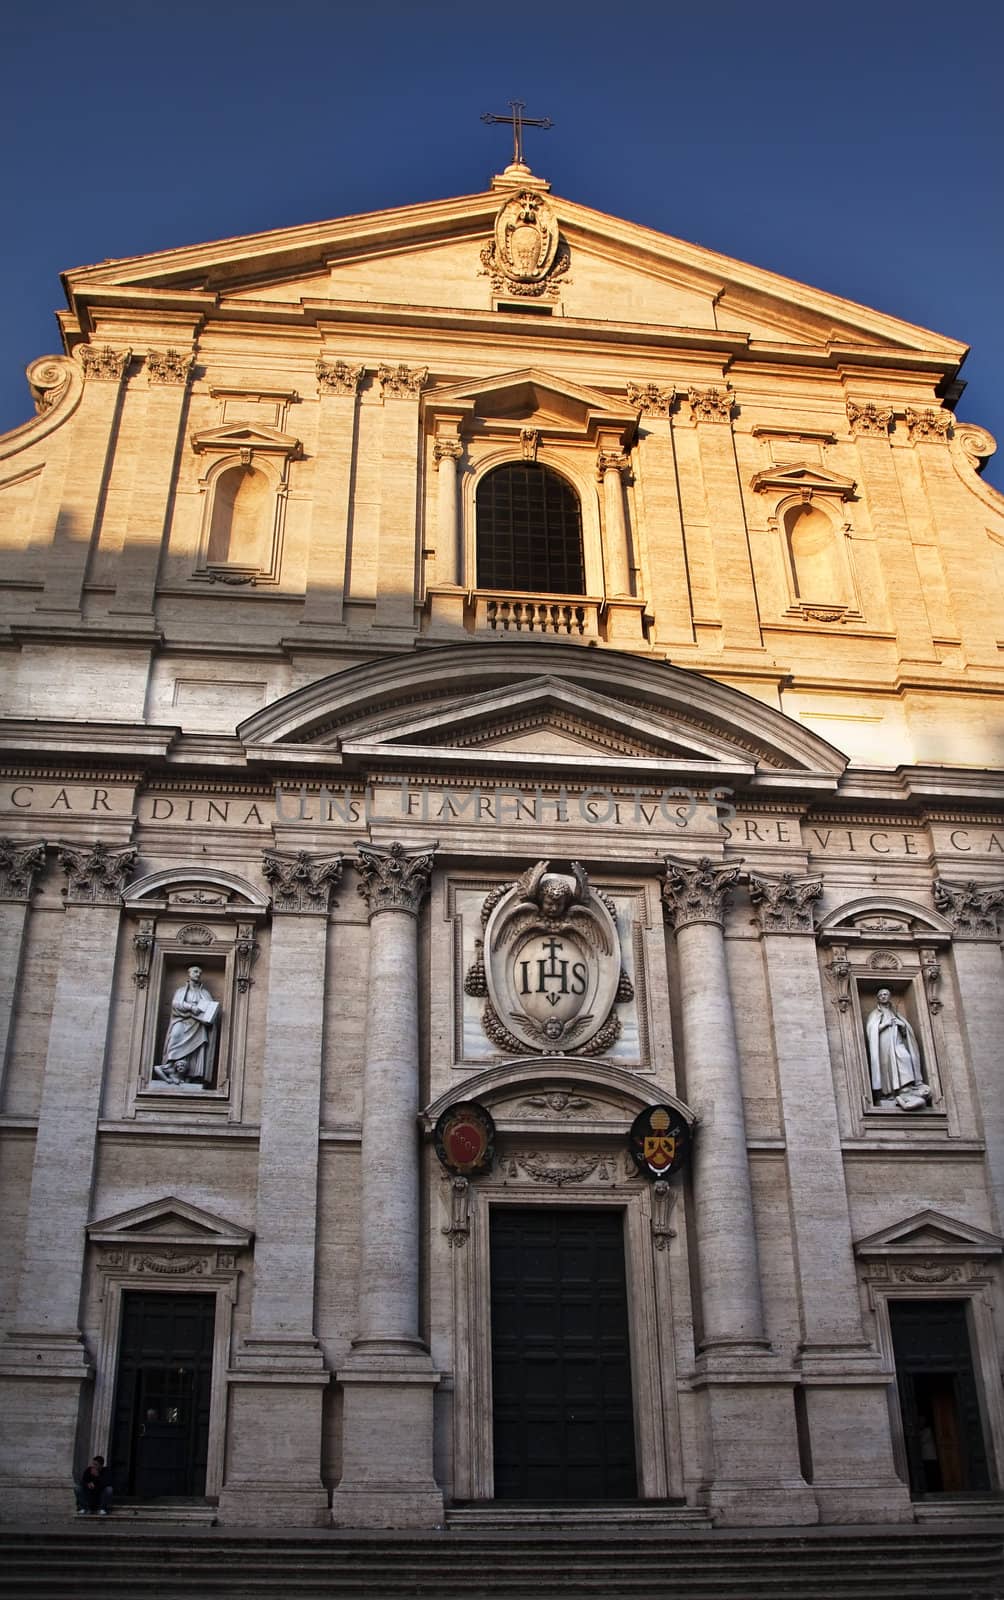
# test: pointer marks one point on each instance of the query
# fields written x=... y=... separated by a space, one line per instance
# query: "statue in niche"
x=897 y=1075
x=190 y=1044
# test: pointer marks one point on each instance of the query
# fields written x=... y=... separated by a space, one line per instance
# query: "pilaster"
x=974 y=910
x=400 y=388
x=711 y=413
x=388 y=1478
x=151 y=424
x=338 y=402
x=93 y=430
x=18 y=865
x=845 y=1390
x=278 y=1379
x=43 y=1362
x=665 y=553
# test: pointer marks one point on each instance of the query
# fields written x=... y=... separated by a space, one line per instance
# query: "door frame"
x=168 y=1263
x=650 y=1327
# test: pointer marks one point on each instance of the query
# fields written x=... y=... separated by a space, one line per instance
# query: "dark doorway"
x=945 y=1446
x=160 y=1424
x=561 y=1367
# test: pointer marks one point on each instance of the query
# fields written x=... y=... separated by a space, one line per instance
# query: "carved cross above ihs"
x=518 y=122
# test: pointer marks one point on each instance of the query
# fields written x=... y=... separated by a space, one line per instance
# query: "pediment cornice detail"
x=931 y=1234
x=414 y=709
x=169 y=1221
x=236 y=436
x=806 y=479
x=514 y=398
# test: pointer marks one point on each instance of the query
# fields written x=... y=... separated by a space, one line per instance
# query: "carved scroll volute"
x=394 y=878
x=459 y=1227
x=245 y=954
x=697 y=892
x=664 y=1197
x=18 y=865
x=142 y=943
x=930 y=968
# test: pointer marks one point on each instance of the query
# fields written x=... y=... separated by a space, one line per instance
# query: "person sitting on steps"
x=94 y=1491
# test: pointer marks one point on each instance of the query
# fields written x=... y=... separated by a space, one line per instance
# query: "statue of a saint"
x=190 y=1045
x=894 y=1057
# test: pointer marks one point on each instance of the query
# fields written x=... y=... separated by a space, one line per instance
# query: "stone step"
x=485 y=1521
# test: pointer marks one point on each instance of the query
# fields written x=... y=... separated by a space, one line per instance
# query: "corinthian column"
x=611 y=464
x=43 y=1362
x=732 y=1312
x=387 y=1381
x=279 y=1375
x=844 y=1387
x=449 y=565
x=751 y=1467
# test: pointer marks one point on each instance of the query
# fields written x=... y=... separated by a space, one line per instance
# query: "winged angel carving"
x=555 y=906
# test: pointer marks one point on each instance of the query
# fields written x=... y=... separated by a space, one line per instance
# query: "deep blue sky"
x=855 y=146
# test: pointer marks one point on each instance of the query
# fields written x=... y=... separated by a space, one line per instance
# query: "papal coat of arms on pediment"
x=549 y=965
x=527 y=254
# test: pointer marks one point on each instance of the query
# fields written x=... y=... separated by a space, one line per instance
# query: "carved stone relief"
x=18 y=865
x=169 y=366
x=929 y=424
x=95 y=874
x=104 y=362
x=401 y=382
x=393 y=878
x=338 y=377
x=527 y=255
x=301 y=882
x=971 y=909
x=866 y=416
x=784 y=904
x=711 y=405
x=652 y=399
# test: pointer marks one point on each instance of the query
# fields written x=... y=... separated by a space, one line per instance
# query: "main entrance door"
x=945 y=1447
x=160 y=1424
x=561 y=1369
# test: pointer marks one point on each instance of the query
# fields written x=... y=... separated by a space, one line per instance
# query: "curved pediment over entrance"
x=556 y=1095
x=531 y=706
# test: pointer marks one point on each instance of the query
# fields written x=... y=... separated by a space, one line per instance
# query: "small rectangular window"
x=524 y=307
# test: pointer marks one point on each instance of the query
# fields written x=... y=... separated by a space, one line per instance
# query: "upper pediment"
x=417 y=260
x=246 y=436
x=169 y=1221
x=929 y=1233
x=805 y=478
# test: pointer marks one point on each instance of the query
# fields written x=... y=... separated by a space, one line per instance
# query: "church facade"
x=500 y=888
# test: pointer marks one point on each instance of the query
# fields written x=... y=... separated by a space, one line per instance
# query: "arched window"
x=240 y=533
x=529 y=531
x=815 y=558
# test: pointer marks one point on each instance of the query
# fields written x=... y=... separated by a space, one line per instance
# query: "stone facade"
x=289 y=795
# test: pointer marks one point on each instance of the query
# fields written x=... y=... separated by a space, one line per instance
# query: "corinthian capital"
x=652 y=399
x=928 y=424
x=337 y=377
x=104 y=362
x=865 y=416
x=711 y=405
x=18 y=866
x=972 y=910
x=301 y=882
x=697 y=893
x=403 y=383
x=447 y=450
x=784 y=904
x=169 y=366
x=95 y=873
x=393 y=878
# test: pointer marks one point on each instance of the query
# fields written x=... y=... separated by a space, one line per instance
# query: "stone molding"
x=972 y=910
x=928 y=425
x=338 y=377
x=104 y=362
x=301 y=882
x=784 y=904
x=697 y=892
x=711 y=405
x=394 y=878
x=652 y=399
x=401 y=382
x=95 y=874
x=18 y=866
x=169 y=366
x=529 y=443
x=447 y=450
x=867 y=416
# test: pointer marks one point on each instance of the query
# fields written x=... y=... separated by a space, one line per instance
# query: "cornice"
x=52 y=739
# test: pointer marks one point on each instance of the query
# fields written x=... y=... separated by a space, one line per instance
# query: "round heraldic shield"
x=659 y=1141
x=465 y=1139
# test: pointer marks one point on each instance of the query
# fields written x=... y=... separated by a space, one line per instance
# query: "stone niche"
x=881 y=944
x=182 y=919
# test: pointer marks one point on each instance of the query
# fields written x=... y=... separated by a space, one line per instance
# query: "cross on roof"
x=518 y=122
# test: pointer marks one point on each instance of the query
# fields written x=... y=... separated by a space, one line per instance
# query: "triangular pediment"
x=474 y=704
x=804 y=477
x=169 y=1221
x=245 y=436
x=929 y=1233
x=414 y=261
